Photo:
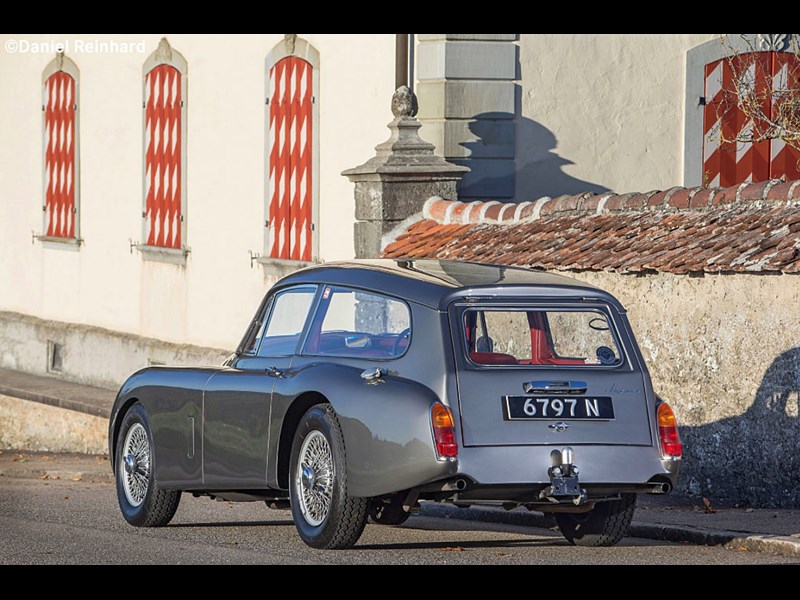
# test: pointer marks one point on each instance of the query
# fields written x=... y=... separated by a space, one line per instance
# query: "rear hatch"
x=538 y=374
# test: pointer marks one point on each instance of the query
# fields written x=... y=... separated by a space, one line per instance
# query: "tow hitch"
x=564 y=484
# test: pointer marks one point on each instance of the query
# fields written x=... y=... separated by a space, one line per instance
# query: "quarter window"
x=359 y=324
x=289 y=311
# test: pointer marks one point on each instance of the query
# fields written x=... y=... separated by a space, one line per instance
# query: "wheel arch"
x=119 y=415
x=290 y=422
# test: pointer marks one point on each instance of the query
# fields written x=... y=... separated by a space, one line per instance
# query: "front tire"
x=325 y=516
x=604 y=525
x=141 y=501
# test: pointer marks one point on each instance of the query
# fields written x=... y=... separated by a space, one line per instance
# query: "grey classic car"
x=363 y=388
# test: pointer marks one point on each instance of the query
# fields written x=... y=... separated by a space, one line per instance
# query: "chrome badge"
x=559 y=426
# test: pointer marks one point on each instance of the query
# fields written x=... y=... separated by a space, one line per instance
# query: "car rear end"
x=555 y=409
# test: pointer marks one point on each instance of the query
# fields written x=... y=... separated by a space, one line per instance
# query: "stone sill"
x=282 y=266
x=175 y=256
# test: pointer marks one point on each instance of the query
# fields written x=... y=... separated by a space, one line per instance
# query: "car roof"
x=436 y=283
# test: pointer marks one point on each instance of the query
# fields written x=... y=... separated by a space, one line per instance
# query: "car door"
x=237 y=401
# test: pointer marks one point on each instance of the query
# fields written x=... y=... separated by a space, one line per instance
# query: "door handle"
x=555 y=387
x=273 y=372
x=373 y=375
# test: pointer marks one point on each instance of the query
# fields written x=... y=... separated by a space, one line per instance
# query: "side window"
x=284 y=324
x=359 y=324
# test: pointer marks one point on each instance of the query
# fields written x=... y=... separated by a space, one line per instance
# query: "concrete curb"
x=783 y=545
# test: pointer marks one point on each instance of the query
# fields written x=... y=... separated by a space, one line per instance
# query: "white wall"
x=615 y=104
x=210 y=299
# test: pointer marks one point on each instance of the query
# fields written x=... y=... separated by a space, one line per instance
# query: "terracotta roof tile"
x=746 y=228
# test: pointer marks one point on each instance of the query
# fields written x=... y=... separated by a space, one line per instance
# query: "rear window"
x=540 y=337
x=358 y=324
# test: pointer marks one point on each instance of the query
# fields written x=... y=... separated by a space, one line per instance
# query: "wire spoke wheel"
x=314 y=478
x=142 y=501
x=135 y=464
x=325 y=515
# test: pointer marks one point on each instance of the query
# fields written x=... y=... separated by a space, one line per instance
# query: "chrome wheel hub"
x=314 y=478
x=135 y=464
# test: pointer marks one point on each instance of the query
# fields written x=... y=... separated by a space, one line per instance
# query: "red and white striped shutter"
x=785 y=76
x=163 y=183
x=730 y=163
x=726 y=164
x=59 y=118
x=290 y=159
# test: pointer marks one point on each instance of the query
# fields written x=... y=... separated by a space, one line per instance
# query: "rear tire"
x=604 y=525
x=325 y=516
x=141 y=501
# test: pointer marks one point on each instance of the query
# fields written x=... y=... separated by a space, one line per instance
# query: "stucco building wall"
x=209 y=300
x=600 y=112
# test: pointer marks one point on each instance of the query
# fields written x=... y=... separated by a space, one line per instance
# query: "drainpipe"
x=401 y=60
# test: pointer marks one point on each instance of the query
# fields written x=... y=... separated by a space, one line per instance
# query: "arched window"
x=292 y=70
x=714 y=116
x=61 y=153
x=164 y=204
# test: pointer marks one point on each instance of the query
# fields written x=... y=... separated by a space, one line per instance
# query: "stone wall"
x=29 y=426
x=88 y=354
x=724 y=351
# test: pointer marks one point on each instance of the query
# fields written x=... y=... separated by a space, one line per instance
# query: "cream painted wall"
x=615 y=104
x=209 y=300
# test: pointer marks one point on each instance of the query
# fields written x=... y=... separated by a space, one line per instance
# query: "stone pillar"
x=466 y=88
x=396 y=182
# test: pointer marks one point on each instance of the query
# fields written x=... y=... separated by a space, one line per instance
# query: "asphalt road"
x=56 y=522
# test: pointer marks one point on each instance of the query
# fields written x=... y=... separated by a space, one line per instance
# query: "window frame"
x=62 y=63
x=292 y=47
x=166 y=55
x=346 y=288
x=270 y=310
x=624 y=361
x=696 y=60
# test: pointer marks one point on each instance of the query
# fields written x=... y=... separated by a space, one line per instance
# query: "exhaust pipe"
x=660 y=487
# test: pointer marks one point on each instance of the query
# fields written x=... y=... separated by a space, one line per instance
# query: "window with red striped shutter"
x=164 y=147
x=61 y=174
x=731 y=163
x=291 y=136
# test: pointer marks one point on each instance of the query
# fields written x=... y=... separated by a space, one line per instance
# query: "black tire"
x=604 y=525
x=141 y=501
x=325 y=516
x=387 y=512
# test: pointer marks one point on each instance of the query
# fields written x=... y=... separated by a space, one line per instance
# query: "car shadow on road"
x=233 y=524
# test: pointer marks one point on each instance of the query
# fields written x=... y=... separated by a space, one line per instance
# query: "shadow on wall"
x=754 y=458
x=517 y=156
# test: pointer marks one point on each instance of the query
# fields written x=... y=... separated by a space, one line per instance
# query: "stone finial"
x=289 y=40
x=164 y=51
x=404 y=103
x=60 y=60
x=772 y=41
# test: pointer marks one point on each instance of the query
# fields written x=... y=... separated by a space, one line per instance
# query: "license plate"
x=518 y=408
